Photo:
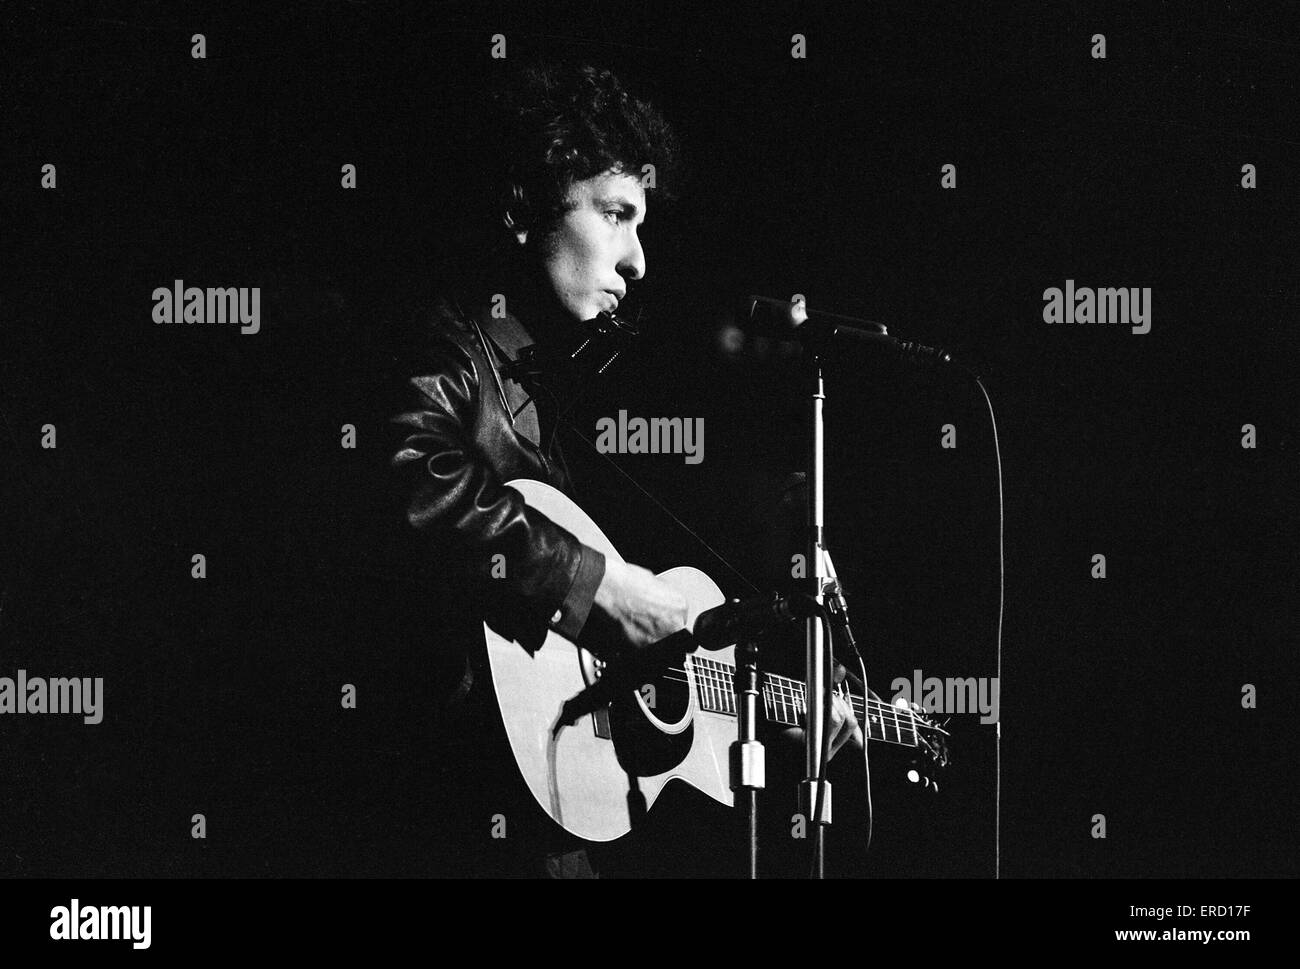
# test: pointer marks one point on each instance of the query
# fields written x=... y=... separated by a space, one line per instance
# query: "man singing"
x=571 y=164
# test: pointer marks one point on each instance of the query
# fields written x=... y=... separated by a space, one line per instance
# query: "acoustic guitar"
x=596 y=776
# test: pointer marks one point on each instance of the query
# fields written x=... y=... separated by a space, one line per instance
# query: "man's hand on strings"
x=845 y=729
x=844 y=725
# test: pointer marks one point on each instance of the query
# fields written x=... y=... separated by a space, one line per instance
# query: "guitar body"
x=596 y=777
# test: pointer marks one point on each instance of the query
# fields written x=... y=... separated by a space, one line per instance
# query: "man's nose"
x=632 y=265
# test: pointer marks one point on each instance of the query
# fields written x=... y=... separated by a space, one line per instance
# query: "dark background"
x=819 y=176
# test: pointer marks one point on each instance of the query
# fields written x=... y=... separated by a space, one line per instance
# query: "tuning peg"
x=924 y=780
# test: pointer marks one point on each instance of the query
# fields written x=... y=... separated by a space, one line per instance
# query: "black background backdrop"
x=818 y=176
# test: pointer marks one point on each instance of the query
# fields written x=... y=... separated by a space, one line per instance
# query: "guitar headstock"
x=932 y=745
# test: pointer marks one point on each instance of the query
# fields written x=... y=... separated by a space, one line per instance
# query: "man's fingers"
x=844 y=725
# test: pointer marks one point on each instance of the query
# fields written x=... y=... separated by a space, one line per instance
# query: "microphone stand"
x=747 y=754
x=817 y=672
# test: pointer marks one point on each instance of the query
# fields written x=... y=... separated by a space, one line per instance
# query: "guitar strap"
x=662 y=507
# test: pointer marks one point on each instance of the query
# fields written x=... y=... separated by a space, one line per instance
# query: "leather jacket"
x=464 y=431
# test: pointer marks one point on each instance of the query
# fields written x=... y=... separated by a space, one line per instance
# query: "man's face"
x=591 y=253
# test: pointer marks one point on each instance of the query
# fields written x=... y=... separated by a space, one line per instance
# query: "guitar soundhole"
x=667 y=696
x=642 y=747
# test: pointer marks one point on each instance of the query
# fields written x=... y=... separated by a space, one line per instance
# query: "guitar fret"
x=785 y=702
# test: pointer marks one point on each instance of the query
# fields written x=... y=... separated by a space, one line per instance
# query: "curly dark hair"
x=559 y=125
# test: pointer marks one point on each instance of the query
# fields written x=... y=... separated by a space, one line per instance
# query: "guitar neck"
x=785 y=702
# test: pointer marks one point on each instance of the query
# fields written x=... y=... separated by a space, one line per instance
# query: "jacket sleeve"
x=470 y=517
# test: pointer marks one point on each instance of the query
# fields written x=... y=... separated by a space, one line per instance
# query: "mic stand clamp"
x=747 y=755
x=839 y=608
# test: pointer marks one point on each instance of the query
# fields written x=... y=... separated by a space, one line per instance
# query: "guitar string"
x=901 y=729
x=794 y=702
x=715 y=678
x=772 y=702
x=710 y=684
x=781 y=693
x=718 y=673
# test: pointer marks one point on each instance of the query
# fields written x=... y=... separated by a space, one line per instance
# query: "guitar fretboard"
x=785 y=702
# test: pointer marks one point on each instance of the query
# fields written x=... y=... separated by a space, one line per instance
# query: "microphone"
x=624 y=676
x=715 y=628
x=791 y=321
x=732 y=621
